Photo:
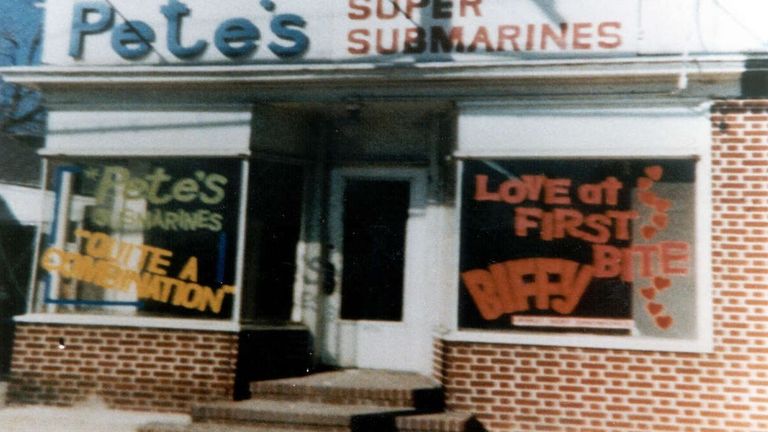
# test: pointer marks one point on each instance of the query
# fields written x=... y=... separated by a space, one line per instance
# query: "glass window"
x=588 y=245
x=154 y=237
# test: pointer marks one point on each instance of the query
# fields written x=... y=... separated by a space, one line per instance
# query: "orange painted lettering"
x=675 y=252
x=600 y=225
x=552 y=283
x=606 y=260
x=524 y=220
x=481 y=190
x=483 y=290
x=556 y=191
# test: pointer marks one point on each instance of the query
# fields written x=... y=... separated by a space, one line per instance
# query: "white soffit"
x=159 y=133
x=616 y=129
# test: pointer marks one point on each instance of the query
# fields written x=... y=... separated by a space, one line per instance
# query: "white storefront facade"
x=399 y=180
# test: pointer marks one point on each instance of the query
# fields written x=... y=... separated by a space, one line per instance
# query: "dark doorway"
x=375 y=215
x=273 y=230
x=16 y=249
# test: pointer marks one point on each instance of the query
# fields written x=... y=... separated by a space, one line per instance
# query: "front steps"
x=343 y=401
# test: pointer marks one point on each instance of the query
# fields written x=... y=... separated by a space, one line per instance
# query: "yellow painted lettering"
x=157 y=260
x=189 y=272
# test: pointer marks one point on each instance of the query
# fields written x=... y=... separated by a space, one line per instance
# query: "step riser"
x=368 y=420
x=334 y=400
x=278 y=427
x=427 y=400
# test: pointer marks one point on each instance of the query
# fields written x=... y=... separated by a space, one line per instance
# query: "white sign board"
x=118 y=32
x=97 y=32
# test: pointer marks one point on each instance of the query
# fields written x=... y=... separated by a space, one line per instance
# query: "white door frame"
x=378 y=344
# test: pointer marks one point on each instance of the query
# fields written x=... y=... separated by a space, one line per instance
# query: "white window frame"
x=42 y=312
x=671 y=129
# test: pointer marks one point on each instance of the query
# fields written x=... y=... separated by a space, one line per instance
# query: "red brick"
x=92 y=363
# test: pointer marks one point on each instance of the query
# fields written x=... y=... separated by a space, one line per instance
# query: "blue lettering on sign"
x=236 y=38
x=82 y=25
x=284 y=26
x=132 y=39
x=174 y=12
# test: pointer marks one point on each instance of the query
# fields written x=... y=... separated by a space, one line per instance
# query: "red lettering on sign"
x=415 y=42
x=481 y=190
x=582 y=36
x=358 y=10
x=470 y=5
x=358 y=42
x=514 y=191
x=665 y=258
x=553 y=284
x=609 y=35
x=508 y=33
x=562 y=222
x=559 y=38
x=481 y=38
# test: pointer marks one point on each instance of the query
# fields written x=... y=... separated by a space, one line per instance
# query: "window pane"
x=603 y=246
x=154 y=237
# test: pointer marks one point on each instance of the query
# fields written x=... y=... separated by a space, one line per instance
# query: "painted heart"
x=649 y=293
x=661 y=283
x=654 y=308
x=654 y=172
x=662 y=205
x=644 y=183
x=660 y=220
x=648 y=198
x=664 y=322
x=648 y=232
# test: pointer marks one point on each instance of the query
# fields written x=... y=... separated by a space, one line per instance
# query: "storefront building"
x=556 y=208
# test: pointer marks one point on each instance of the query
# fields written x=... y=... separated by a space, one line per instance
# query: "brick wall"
x=128 y=368
x=519 y=388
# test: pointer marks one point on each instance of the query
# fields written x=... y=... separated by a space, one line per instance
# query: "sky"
x=22 y=20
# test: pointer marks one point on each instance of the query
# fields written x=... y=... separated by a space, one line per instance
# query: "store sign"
x=159 y=236
x=258 y=31
x=578 y=244
x=118 y=32
x=135 y=39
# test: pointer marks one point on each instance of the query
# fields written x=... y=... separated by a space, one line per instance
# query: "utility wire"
x=405 y=14
x=137 y=32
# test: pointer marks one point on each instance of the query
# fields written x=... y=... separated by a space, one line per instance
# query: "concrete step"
x=352 y=400
x=299 y=415
x=440 y=422
x=356 y=387
x=228 y=427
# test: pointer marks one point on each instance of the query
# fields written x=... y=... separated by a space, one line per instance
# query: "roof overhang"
x=693 y=76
